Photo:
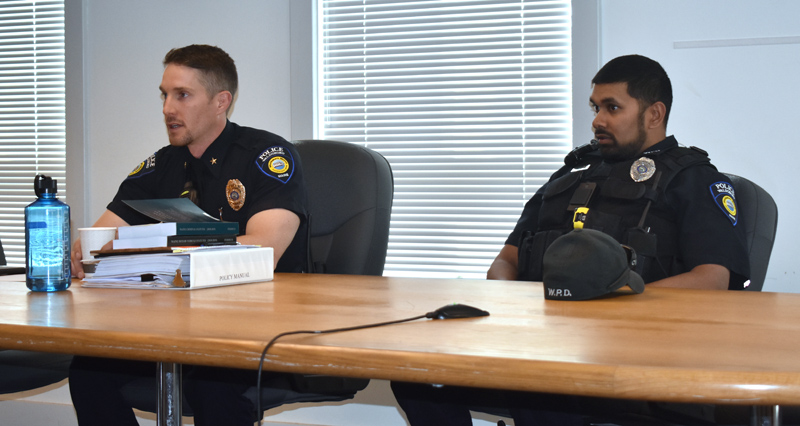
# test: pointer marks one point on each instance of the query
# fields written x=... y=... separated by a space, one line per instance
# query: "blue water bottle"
x=47 y=249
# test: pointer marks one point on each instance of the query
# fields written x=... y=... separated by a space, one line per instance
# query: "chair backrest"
x=350 y=190
x=8 y=270
x=759 y=216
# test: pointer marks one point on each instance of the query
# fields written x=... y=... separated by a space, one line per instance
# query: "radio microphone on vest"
x=575 y=155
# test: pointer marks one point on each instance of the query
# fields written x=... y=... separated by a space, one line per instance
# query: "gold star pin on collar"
x=213 y=161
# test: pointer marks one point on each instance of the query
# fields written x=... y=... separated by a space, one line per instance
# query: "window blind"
x=32 y=111
x=470 y=101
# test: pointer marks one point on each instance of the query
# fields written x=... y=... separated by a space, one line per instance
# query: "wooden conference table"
x=666 y=345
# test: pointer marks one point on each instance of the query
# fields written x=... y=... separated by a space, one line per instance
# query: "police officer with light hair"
x=236 y=173
x=666 y=202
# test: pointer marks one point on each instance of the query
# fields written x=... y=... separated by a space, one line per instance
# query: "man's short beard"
x=621 y=153
x=185 y=140
x=617 y=153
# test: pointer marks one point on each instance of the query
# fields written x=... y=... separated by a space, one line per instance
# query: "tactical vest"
x=635 y=213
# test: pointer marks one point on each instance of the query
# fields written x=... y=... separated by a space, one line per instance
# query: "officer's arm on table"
x=709 y=276
x=272 y=228
x=505 y=264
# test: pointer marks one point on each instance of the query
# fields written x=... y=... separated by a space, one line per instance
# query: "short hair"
x=647 y=81
x=217 y=70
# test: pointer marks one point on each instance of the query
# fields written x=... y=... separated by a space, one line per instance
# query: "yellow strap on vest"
x=580 y=217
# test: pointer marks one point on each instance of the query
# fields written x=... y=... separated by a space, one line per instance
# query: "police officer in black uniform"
x=236 y=173
x=667 y=202
x=244 y=172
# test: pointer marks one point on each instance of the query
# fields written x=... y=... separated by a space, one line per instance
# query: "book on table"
x=174 y=241
x=166 y=229
x=182 y=224
x=177 y=216
x=184 y=269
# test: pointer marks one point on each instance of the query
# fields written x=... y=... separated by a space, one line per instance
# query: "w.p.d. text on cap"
x=586 y=264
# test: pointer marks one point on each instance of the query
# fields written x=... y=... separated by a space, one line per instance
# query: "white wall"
x=735 y=101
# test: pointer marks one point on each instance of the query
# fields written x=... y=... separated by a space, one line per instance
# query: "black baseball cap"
x=586 y=264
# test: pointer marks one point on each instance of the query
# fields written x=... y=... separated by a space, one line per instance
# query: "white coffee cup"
x=95 y=239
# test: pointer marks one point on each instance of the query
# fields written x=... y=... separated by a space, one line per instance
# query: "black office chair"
x=759 y=216
x=350 y=190
x=26 y=370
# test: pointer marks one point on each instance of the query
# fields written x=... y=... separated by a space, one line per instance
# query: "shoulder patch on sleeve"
x=145 y=167
x=724 y=196
x=276 y=162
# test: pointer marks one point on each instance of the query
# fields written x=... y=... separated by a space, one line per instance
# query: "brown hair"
x=217 y=70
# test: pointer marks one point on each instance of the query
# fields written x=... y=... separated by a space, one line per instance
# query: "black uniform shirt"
x=707 y=233
x=243 y=172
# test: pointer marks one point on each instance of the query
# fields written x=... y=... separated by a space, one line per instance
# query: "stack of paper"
x=201 y=267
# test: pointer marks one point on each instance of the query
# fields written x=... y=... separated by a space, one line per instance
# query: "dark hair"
x=647 y=81
x=217 y=70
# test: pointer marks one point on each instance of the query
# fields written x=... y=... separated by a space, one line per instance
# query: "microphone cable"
x=445 y=312
x=333 y=330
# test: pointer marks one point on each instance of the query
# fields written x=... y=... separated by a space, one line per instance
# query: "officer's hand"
x=76 y=257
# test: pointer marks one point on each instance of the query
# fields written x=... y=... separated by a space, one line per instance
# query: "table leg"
x=766 y=415
x=170 y=394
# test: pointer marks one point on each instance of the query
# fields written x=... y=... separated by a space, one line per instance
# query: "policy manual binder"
x=187 y=269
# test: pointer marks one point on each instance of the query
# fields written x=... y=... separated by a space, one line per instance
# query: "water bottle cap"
x=44 y=185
